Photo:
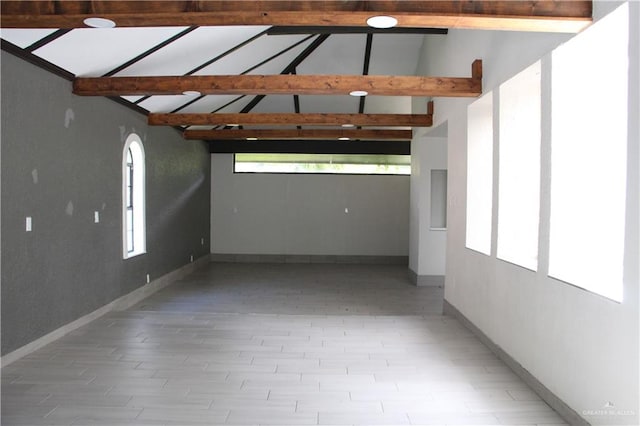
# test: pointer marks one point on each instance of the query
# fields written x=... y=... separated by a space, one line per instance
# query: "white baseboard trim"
x=561 y=407
x=120 y=304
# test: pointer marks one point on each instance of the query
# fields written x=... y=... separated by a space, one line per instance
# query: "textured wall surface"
x=61 y=162
x=428 y=247
x=294 y=214
x=581 y=346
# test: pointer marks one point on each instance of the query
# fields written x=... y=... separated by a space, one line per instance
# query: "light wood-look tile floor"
x=260 y=344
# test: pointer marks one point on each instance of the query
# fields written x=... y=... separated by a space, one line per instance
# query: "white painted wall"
x=295 y=214
x=427 y=246
x=581 y=346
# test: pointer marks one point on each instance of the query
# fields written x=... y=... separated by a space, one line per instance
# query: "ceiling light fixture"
x=233 y=125
x=382 y=21
x=191 y=93
x=359 y=93
x=99 y=23
x=348 y=125
x=252 y=139
x=344 y=138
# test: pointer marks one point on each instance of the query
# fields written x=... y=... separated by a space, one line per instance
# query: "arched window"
x=133 y=198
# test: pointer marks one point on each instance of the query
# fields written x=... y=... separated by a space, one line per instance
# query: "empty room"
x=320 y=212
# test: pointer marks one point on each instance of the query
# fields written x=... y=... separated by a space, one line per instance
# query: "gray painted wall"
x=292 y=214
x=68 y=266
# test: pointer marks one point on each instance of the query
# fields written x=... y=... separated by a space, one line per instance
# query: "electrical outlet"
x=202 y=241
x=28 y=224
x=96 y=217
x=191 y=258
x=148 y=279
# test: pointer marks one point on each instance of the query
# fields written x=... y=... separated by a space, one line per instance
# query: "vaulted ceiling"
x=266 y=69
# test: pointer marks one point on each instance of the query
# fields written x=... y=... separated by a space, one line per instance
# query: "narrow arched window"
x=133 y=198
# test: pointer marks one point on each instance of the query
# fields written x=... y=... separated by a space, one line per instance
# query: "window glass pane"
x=589 y=158
x=480 y=174
x=130 y=220
x=129 y=231
x=129 y=192
x=130 y=241
x=519 y=168
x=133 y=198
x=323 y=163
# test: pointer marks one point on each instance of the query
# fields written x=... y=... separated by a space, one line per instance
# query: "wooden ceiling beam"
x=316 y=29
x=525 y=15
x=279 y=85
x=284 y=85
x=284 y=134
x=292 y=119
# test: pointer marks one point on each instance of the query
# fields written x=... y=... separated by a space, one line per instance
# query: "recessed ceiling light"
x=99 y=23
x=382 y=21
x=348 y=125
x=344 y=138
x=191 y=93
x=359 y=93
x=252 y=139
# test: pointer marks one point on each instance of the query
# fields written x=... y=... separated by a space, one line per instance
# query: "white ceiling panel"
x=339 y=54
x=91 y=52
x=237 y=106
x=213 y=102
x=335 y=103
x=22 y=37
x=387 y=105
x=277 y=65
x=165 y=103
x=251 y=55
x=395 y=54
x=199 y=128
x=131 y=98
x=192 y=50
x=275 y=103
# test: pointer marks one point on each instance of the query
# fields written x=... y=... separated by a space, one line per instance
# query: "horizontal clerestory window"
x=366 y=164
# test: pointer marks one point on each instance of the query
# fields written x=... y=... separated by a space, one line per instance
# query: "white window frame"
x=134 y=143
